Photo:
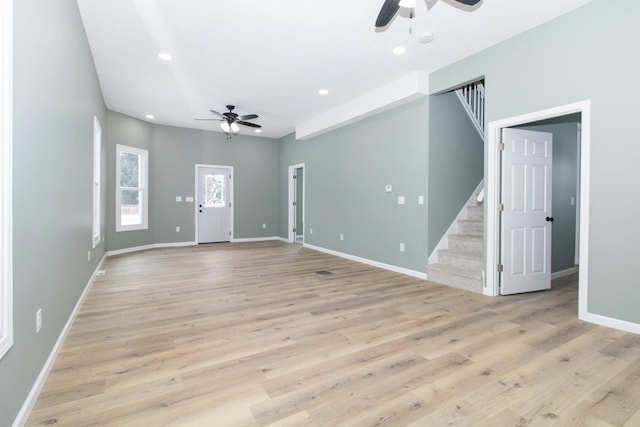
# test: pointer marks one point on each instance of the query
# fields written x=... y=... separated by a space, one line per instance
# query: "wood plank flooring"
x=249 y=334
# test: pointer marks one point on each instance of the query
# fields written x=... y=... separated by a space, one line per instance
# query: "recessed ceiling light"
x=165 y=56
x=323 y=91
x=258 y=130
x=150 y=116
x=399 y=50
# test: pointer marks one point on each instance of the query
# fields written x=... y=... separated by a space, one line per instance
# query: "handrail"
x=472 y=98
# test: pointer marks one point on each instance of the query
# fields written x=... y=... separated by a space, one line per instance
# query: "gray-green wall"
x=589 y=54
x=346 y=171
x=173 y=154
x=455 y=163
x=56 y=95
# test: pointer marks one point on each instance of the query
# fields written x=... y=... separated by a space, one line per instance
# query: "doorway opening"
x=296 y=203
x=214 y=204
x=493 y=193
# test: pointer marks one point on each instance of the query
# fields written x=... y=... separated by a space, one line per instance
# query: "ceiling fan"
x=390 y=9
x=231 y=120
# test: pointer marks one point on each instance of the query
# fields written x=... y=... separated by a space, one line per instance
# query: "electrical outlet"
x=421 y=200
x=264 y=225
x=89 y=256
x=388 y=188
x=401 y=247
x=38 y=320
x=401 y=200
x=311 y=231
x=178 y=229
x=341 y=236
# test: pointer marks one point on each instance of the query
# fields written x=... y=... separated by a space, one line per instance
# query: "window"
x=215 y=192
x=97 y=149
x=6 y=178
x=131 y=188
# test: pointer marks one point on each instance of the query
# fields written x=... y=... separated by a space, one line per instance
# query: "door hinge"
x=500 y=268
x=229 y=232
x=229 y=204
x=229 y=176
x=501 y=146
x=294 y=203
x=500 y=207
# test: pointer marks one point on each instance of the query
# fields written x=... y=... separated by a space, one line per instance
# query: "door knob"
x=549 y=219
x=200 y=210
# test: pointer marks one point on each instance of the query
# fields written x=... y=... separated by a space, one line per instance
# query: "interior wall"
x=455 y=162
x=126 y=130
x=560 y=63
x=346 y=171
x=178 y=150
x=173 y=154
x=56 y=95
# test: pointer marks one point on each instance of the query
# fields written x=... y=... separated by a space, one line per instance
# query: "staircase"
x=458 y=260
x=461 y=264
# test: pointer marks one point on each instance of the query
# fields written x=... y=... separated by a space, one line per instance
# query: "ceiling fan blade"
x=388 y=11
x=216 y=113
x=249 y=117
x=253 y=125
x=469 y=2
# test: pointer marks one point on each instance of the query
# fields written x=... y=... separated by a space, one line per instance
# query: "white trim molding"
x=152 y=246
x=196 y=198
x=291 y=209
x=492 y=191
x=31 y=399
x=372 y=263
x=6 y=186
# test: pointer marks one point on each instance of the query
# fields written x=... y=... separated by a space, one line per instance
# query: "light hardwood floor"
x=250 y=334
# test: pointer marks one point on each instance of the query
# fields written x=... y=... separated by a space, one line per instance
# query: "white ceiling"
x=270 y=57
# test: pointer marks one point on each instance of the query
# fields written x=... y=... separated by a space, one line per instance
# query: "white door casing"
x=214 y=197
x=527 y=217
x=291 y=225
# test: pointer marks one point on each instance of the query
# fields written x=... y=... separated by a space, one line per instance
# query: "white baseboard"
x=610 y=322
x=563 y=273
x=152 y=246
x=255 y=239
x=389 y=267
x=31 y=399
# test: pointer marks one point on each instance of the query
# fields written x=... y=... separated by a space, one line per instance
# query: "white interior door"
x=214 y=204
x=527 y=218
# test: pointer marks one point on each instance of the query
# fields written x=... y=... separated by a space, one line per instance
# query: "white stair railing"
x=472 y=98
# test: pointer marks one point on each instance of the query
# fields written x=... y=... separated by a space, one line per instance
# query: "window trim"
x=144 y=188
x=97 y=181
x=6 y=187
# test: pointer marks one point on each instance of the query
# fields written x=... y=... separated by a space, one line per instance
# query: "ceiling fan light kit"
x=407 y=3
x=231 y=121
x=390 y=9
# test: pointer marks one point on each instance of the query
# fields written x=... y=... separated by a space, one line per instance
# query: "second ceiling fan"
x=390 y=9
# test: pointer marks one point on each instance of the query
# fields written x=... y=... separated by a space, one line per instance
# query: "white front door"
x=526 y=218
x=213 y=204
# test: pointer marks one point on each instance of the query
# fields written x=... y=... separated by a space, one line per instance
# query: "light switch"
x=178 y=198
x=401 y=200
x=388 y=188
x=189 y=199
x=421 y=200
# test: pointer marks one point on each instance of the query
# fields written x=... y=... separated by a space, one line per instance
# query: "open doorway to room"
x=555 y=120
x=296 y=203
